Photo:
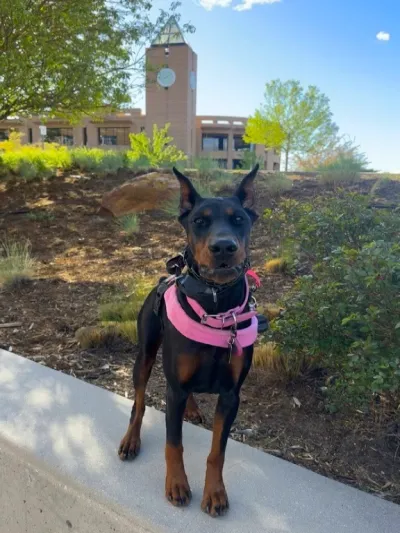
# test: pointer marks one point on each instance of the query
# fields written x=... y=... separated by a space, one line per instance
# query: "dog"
x=210 y=301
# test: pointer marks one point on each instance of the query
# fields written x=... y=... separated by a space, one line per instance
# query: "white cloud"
x=243 y=6
x=209 y=4
x=383 y=36
x=248 y=4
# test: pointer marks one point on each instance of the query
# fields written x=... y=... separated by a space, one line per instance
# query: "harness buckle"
x=204 y=318
x=252 y=303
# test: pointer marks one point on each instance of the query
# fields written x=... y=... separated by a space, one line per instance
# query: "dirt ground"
x=82 y=256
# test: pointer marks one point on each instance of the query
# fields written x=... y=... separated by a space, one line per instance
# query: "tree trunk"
x=287 y=151
x=286 y=160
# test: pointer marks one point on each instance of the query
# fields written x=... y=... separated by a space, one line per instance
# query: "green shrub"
x=311 y=230
x=98 y=160
x=142 y=163
x=250 y=159
x=158 y=150
x=34 y=161
x=207 y=168
x=346 y=318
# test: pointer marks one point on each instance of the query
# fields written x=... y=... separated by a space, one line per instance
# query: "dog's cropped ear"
x=245 y=192
x=189 y=195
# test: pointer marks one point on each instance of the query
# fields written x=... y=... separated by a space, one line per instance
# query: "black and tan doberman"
x=216 y=260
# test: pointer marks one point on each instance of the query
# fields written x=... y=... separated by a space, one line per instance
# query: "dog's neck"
x=213 y=299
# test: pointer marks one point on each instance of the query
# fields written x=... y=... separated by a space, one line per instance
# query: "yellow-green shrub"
x=34 y=161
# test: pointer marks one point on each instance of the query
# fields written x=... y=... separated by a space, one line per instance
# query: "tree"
x=292 y=120
x=342 y=153
x=158 y=151
x=75 y=57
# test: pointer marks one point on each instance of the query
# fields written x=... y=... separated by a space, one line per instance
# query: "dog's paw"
x=215 y=500
x=177 y=491
x=129 y=447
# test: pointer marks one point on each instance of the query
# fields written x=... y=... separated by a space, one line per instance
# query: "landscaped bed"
x=84 y=258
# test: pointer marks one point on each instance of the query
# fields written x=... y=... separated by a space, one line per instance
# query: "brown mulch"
x=82 y=257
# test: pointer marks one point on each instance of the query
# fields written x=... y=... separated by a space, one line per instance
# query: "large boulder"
x=143 y=193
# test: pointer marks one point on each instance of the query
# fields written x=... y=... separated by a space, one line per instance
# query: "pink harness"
x=210 y=330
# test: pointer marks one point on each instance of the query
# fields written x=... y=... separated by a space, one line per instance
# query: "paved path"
x=74 y=429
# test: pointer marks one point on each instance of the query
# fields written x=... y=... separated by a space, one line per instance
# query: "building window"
x=239 y=145
x=214 y=143
x=276 y=166
x=142 y=128
x=114 y=136
x=3 y=135
x=84 y=135
x=60 y=136
x=236 y=164
x=30 y=135
x=222 y=163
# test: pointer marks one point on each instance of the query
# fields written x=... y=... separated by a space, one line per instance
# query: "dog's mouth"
x=222 y=273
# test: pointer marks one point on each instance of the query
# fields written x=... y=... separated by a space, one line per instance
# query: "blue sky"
x=242 y=44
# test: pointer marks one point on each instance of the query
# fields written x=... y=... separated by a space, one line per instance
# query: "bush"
x=250 y=159
x=158 y=151
x=346 y=318
x=98 y=160
x=207 y=168
x=16 y=263
x=310 y=231
x=34 y=161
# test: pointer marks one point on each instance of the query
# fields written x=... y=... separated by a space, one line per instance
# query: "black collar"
x=212 y=296
x=176 y=265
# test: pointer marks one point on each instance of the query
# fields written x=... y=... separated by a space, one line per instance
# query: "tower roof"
x=170 y=34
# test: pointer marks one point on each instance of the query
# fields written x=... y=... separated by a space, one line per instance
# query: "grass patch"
x=276 y=265
x=16 y=263
x=125 y=306
x=130 y=224
x=118 y=314
x=269 y=358
x=277 y=183
x=40 y=216
x=338 y=177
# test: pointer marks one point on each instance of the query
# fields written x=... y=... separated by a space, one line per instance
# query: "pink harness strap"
x=230 y=318
x=209 y=334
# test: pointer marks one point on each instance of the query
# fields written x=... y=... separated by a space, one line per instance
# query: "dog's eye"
x=200 y=221
x=238 y=219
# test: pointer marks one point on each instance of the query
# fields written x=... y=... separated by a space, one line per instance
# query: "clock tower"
x=171 y=87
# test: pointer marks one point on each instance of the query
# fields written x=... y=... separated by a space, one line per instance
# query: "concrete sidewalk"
x=58 y=442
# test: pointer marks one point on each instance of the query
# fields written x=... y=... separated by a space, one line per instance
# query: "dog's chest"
x=214 y=372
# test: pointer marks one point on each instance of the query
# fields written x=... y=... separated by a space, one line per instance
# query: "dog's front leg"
x=177 y=488
x=215 y=499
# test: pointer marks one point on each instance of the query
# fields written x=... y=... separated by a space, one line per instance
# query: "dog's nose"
x=223 y=247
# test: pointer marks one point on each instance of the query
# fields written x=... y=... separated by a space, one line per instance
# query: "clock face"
x=166 y=77
x=192 y=80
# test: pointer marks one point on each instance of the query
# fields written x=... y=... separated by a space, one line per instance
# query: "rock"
x=143 y=193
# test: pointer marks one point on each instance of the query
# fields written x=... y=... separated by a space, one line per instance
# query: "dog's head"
x=218 y=229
